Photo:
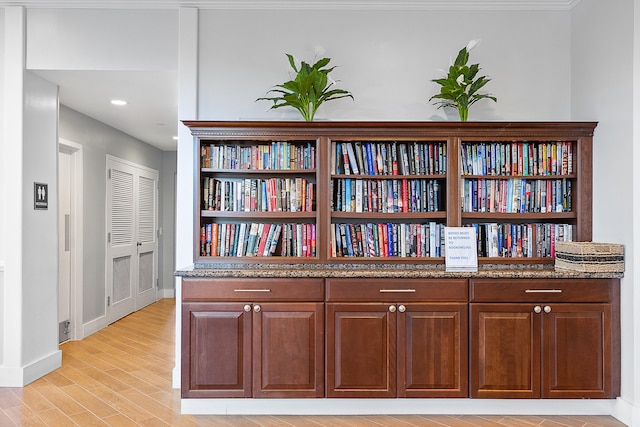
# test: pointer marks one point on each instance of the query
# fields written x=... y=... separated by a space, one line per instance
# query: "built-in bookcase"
x=519 y=195
x=388 y=198
x=365 y=192
x=257 y=198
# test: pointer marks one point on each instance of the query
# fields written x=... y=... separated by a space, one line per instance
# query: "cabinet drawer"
x=397 y=290
x=251 y=289
x=541 y=290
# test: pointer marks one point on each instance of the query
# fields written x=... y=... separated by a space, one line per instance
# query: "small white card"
x=461 y=249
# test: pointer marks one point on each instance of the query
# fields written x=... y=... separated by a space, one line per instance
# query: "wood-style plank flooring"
x=121 y=376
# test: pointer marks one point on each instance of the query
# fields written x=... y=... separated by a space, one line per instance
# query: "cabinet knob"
x=257 y=308
x=547 y=309
x=402 y=308
x=537 y=309
x=392 y=308
x=247 y=308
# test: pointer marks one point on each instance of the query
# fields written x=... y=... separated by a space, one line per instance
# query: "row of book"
x=519 y=158
x=388 y=158
x=387 y=240
x=278 y=155
x=258 y=240
x=535 y=240
x=258 y=195
x=517 y=195
x=385 y=195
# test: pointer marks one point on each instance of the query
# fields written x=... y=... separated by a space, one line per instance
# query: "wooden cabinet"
x=523 y=185
x=396 y=338
x=544 y=338
x=252 y=338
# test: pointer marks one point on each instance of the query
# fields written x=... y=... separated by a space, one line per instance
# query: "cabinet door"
x=216 y=349
x=576 y=354
x=288 y=346
x=432 y=350
x=361 y=350
x=505 y=351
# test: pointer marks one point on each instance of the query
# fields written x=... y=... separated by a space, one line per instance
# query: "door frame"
x=76 y=241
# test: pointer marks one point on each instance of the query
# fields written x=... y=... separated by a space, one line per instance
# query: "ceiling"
x=151 y=114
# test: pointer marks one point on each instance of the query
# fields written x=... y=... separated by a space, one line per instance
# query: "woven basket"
x=589 y=257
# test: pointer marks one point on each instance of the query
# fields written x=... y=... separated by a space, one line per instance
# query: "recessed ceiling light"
x=118 y=102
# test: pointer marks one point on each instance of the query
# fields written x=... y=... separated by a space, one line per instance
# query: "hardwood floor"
x=121 y=376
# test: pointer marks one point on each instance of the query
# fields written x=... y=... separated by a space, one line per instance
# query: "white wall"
x=101 y=39
x=29 y=282
x=2 y=179
x=602 y=75
x=167 y=203
x=386 y=59
x=2 y=64
x=40 y=245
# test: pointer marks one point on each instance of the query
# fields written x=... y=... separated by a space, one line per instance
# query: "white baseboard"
x=626 y=412
x=93 y=326
x=397 y=406
x=166 y=293
x=21 y=376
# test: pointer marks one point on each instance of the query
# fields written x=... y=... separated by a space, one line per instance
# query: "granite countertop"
x=384 y=270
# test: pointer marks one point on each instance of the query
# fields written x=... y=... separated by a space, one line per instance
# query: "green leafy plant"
x=310 y=87
x=459 y=89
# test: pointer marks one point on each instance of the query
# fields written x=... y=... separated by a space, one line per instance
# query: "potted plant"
x=460 y=88
x=310 y=87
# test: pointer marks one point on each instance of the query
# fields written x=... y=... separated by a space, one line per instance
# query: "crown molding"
x=301 y=4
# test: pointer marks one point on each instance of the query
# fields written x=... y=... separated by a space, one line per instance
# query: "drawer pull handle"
x=543 y=291
x=252 y=290
x=406 y=291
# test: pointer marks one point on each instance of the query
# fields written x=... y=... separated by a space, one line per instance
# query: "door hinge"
x=108 y=301
x=158 y=283
x=108 y=173
x=108 y=237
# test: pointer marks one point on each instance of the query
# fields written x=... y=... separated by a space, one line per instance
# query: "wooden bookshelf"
x=412 y=178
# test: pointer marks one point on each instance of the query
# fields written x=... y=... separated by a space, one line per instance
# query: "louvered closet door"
x=131 y=269
x=147 y=244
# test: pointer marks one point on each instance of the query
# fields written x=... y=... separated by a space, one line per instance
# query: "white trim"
x=42 y=367
x=77 y=242
x=94 y=326
x=397 y=406
x=308 y=4
x=166 y=293
x=19 y=377
x=626 y=412
x=130 y=163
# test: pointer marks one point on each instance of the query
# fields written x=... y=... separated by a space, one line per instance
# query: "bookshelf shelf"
x=259 y=215
x=529 y=180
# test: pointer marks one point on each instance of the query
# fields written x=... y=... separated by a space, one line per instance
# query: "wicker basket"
x=589 y=257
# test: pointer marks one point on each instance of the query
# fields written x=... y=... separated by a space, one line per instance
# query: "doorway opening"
x=70 y=246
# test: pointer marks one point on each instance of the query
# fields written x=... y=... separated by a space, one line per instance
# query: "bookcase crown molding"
x=303 y=4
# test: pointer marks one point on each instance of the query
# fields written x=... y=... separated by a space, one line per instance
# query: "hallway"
x=121 y=376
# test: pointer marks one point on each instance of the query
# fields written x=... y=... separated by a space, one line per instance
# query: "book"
x=263 y=239
x=277 y=228
x=353 y=161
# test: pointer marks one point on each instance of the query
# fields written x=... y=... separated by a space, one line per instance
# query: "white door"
x=132 y=247
x=64 y=246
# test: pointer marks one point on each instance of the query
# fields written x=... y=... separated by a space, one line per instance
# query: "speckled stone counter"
x=505 y=271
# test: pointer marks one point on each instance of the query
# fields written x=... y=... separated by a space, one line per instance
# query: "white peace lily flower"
x=472 y=44
x=460 y=79
x=319 y=51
